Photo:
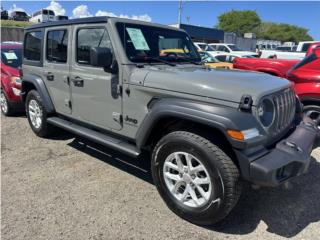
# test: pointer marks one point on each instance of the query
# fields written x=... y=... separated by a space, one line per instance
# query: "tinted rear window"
x=57 y=46
x=11 y=57
x=32 y=46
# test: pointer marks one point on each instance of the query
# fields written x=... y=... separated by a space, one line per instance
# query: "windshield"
x=206 y=58
x=22 y=14
x=11 y=57
x=205 y=47
x=147 y=44
x=312 y=57
x=47 y=12
x=234 y=48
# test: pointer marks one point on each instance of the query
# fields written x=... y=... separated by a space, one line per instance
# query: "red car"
x=277 y=67
x=312 y=47
x=11 y=60
x=306 y=76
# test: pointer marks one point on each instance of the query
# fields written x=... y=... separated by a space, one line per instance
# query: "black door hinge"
x=119 y=90
x=246 y=103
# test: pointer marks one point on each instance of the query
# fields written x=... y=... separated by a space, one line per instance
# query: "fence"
x=11 y=34
x=248 y=44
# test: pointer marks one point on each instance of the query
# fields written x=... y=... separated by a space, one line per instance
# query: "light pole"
x=179 y=13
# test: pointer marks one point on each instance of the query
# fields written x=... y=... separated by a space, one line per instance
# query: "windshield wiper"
x=160 y=60
x=157 y=59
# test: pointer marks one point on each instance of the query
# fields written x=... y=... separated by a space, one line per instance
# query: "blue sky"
x=204 y=13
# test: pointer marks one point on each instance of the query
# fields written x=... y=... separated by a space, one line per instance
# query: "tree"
x=282 y=32
x=239 y=22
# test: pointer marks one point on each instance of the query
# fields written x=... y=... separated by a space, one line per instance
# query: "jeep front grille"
x=285 y=106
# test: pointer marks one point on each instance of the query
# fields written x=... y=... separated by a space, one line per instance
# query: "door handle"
x=77 y=81
x=50 y=76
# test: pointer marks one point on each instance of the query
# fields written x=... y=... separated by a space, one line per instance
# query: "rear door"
x=94 y=99
x=56 y=66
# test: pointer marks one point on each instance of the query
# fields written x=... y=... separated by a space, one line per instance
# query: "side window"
x=57 y=46
x=221 y=48
x=305 y=47
x=88 y=38
x=32 y=46
x=202 y=46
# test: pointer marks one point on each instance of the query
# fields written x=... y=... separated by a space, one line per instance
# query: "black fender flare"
x=216 y=116
x=40 y=86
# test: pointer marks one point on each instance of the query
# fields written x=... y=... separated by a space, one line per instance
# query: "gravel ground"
x=68 y=188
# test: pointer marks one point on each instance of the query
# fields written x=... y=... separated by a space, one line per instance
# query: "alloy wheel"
x=35 y=113
x=187 y=179
x=4 y=103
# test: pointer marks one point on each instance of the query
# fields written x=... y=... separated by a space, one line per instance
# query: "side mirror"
x=101 y=57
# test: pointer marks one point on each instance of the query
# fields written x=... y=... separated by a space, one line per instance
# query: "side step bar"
x=95 y=136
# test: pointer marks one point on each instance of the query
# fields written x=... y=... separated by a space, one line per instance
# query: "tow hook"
x=292 y=145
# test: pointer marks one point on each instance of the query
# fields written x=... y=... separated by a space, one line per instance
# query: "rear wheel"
x=195 y=178
x=37 y=115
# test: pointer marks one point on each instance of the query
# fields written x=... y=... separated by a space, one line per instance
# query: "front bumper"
x=289 y=158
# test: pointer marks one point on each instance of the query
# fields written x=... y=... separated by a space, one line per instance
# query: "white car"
x=43 y=15
x=231 y=49
x=299 y=54
x=204 y=47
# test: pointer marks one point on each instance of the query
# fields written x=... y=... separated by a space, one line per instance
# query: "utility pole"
x=179 y=13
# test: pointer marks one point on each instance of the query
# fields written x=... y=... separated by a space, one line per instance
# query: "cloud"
x=144 y=17
x=105 y=13
x=57 y=8
x=15 y=8
x=81 y=11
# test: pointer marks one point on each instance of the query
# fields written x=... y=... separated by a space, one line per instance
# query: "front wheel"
x=311 y=110
x=6 y=108
x=195 y=178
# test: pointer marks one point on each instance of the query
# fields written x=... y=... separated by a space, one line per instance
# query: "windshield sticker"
x=137 y=38
x=10 y=56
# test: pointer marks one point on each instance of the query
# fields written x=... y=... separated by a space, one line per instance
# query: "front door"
x=92 y=88
x=56 y=67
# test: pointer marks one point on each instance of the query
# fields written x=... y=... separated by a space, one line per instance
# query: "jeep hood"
x=228 y=85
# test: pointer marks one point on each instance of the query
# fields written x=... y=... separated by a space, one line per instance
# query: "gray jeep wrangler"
x=135 y=86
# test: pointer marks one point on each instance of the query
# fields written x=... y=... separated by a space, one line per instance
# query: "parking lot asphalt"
x=68 y=188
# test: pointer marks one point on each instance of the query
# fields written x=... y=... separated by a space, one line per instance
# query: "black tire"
x=8 y=110
x=44 y=129
x=308 y=108
x=224 y=175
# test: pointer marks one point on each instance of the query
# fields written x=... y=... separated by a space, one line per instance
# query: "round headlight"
x=266 y=112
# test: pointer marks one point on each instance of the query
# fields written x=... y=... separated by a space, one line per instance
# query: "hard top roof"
x=68 y=22
x=95 y=20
